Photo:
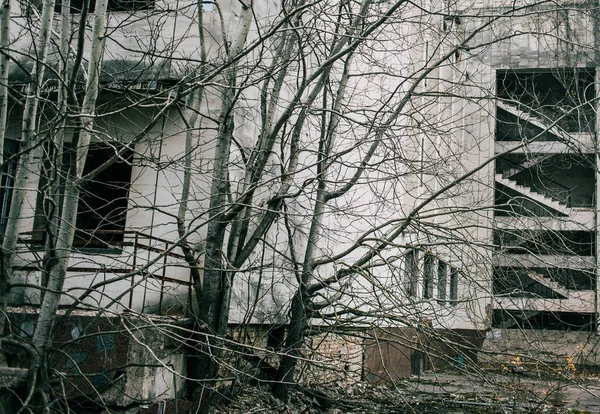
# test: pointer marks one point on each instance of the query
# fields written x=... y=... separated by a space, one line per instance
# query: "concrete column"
x=596 y=17
x=597 y=201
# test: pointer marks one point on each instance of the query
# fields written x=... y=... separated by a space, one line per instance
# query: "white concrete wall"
x=438 y=138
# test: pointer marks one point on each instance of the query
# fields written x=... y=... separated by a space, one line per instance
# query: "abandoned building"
x=506 y=126
x=544 y=224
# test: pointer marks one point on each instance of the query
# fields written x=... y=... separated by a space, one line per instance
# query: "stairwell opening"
x=544 y=320
x=544 y=259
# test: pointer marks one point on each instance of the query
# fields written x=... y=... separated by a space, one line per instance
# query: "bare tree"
x=347 y=149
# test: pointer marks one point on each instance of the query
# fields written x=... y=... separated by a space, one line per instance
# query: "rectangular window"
x=442 y=284
x=102 y=204
x=428 y=266
x=454 y=286
x=103 y=200
x=113 y=5
x=411 y=272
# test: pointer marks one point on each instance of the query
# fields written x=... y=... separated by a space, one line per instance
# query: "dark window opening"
x=562 y=95
x=539 y=242
x=540 y=282
x=572 y=279
x=411 y=272
x=113 y=6
x=11 y=147
x=531 y=319
x=525 y=283
x=442 y=281
x=454 y=286
x=568 y=179
x=428 y=265
x=102 y=206
x=511 y=128
x=508 y=202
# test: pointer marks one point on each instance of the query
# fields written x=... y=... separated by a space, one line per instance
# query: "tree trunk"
x=28 y=141
x=53 y=153
x=42 y=336
x=192 y=125
x=215 y=286
x=4 y=43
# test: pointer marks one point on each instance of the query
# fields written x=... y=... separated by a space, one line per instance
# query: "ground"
x=442 y=392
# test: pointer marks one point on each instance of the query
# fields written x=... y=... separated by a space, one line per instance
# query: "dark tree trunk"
x=293 y=346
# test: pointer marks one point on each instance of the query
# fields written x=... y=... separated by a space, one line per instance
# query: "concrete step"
x=532 y=195
x=536 y=120
x=549 y=283
x=528 y=163
x=524 y=315
x=581 y=301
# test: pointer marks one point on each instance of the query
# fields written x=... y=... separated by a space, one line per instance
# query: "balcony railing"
x=137 y=254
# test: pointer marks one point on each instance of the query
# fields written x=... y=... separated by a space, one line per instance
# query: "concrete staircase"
x=532 y=195
x=523 y=316
x=549 y=283
x=579 y=301
x=530 y=162
x=535 y=120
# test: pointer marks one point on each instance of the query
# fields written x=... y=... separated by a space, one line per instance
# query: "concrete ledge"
x=547 y=346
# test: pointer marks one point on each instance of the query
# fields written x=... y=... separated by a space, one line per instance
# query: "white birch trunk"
x=56 y=147
x=28 y=139
x=66 y=234
x=4 y=43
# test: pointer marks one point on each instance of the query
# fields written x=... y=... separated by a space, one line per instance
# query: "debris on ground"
x=415 y=395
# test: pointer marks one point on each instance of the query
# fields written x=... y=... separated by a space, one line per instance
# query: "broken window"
x=428 y=265
x=103 y=200
x=102 y=204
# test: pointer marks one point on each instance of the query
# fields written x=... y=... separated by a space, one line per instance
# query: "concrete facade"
x=512 y=245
